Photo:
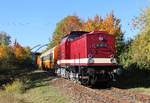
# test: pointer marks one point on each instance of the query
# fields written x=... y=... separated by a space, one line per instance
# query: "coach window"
x=51 y=57
x=44 y=58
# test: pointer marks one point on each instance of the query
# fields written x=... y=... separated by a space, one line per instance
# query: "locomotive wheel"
x=83 y=77
x=85 y=81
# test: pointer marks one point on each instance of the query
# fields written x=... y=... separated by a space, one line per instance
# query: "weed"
x=16 y=87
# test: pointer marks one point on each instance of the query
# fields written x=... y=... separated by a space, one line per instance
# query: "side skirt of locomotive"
x=89 y=75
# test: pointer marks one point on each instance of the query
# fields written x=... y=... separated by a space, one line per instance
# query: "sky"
x=32 y=22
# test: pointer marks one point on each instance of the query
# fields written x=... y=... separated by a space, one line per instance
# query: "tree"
x=6 y=52
x=22 y=54
x=4 y=38
x=126 y=55
x=64 y=27
x=7 y=56
x=143 y=21
x=142 y=41
x=142 y=44
x=139 y=51
x=93 y=24
x=111 y=24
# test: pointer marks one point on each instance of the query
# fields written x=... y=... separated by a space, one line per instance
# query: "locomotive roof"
x=80 y=33
x=76 y=33
x=73 y=35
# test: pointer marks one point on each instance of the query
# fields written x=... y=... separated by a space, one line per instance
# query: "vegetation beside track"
x=33 y=87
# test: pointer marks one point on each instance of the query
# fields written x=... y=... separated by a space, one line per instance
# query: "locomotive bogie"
x=88 y=75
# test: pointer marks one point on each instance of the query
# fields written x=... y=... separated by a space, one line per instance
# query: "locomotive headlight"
x=58 y=62
x=113 y=60
x=90 y=60
x=115 y=70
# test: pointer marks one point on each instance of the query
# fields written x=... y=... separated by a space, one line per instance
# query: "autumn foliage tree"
x=6 y=55
x=6 y=52
x=23 y=55
x=11 y=56
x=64 y=27
x=111 y=24
x=93 y=24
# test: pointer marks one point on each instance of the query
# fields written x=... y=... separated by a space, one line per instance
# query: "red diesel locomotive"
x=87 y=57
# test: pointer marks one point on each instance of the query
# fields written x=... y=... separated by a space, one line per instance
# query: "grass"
x=8 y=75
x=45 y=94
x=35 y=87
x=141 y=90
x=16 y=87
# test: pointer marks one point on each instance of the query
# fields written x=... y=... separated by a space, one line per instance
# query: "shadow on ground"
x=38 y=78
x=133 y=79
x=31 y=76
x=8 y=75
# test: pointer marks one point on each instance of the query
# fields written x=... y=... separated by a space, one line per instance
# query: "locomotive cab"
x=101 y=49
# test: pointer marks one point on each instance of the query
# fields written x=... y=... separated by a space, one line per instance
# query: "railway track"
x=82 y=94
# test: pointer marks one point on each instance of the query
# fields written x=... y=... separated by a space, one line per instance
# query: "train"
x=85 y=57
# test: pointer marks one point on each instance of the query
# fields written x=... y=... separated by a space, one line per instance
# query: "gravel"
x=82 y=94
